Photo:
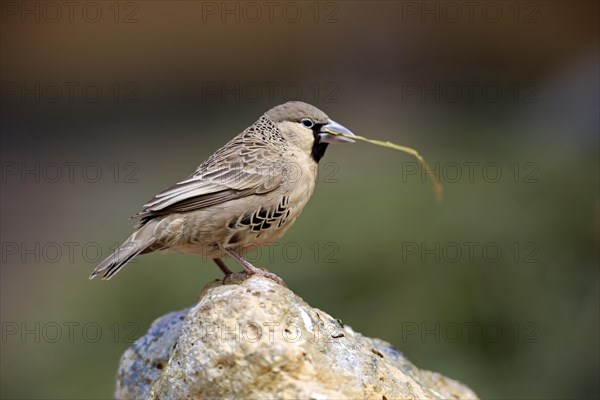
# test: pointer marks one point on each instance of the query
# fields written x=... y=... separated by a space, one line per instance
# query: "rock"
x=144 y=361
x=255 y=339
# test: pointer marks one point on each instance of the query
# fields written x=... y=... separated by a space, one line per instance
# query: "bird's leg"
x=251 y=269
x=222 y=266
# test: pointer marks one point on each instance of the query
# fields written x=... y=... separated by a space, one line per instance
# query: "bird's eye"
x=308 y=122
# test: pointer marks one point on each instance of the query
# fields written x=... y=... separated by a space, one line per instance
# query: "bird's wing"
x=228 y=176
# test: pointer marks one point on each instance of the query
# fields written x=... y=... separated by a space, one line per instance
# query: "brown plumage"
x=247 y=194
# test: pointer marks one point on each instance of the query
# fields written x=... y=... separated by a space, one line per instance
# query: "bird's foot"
x=250 y=269
x=265 y=273
x=233 y=277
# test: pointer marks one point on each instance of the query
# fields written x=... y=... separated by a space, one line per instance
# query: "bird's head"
x=307 y=128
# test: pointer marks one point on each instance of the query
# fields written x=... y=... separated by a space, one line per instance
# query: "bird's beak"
x=327 y=134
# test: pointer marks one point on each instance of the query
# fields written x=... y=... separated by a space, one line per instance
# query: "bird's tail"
x=139 y=242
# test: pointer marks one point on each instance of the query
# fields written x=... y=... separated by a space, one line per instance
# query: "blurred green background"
x=105 y=104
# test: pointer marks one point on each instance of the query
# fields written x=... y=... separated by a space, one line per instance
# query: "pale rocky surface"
x=254 y=339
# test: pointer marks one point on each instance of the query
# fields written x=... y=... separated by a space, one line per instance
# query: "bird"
x=246 y=195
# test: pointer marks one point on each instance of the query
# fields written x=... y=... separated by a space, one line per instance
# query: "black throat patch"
x=318 y=148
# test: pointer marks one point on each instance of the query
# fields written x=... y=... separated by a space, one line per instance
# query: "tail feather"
x=136 y=244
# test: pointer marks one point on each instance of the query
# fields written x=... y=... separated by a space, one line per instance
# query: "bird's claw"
x=230 y=278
